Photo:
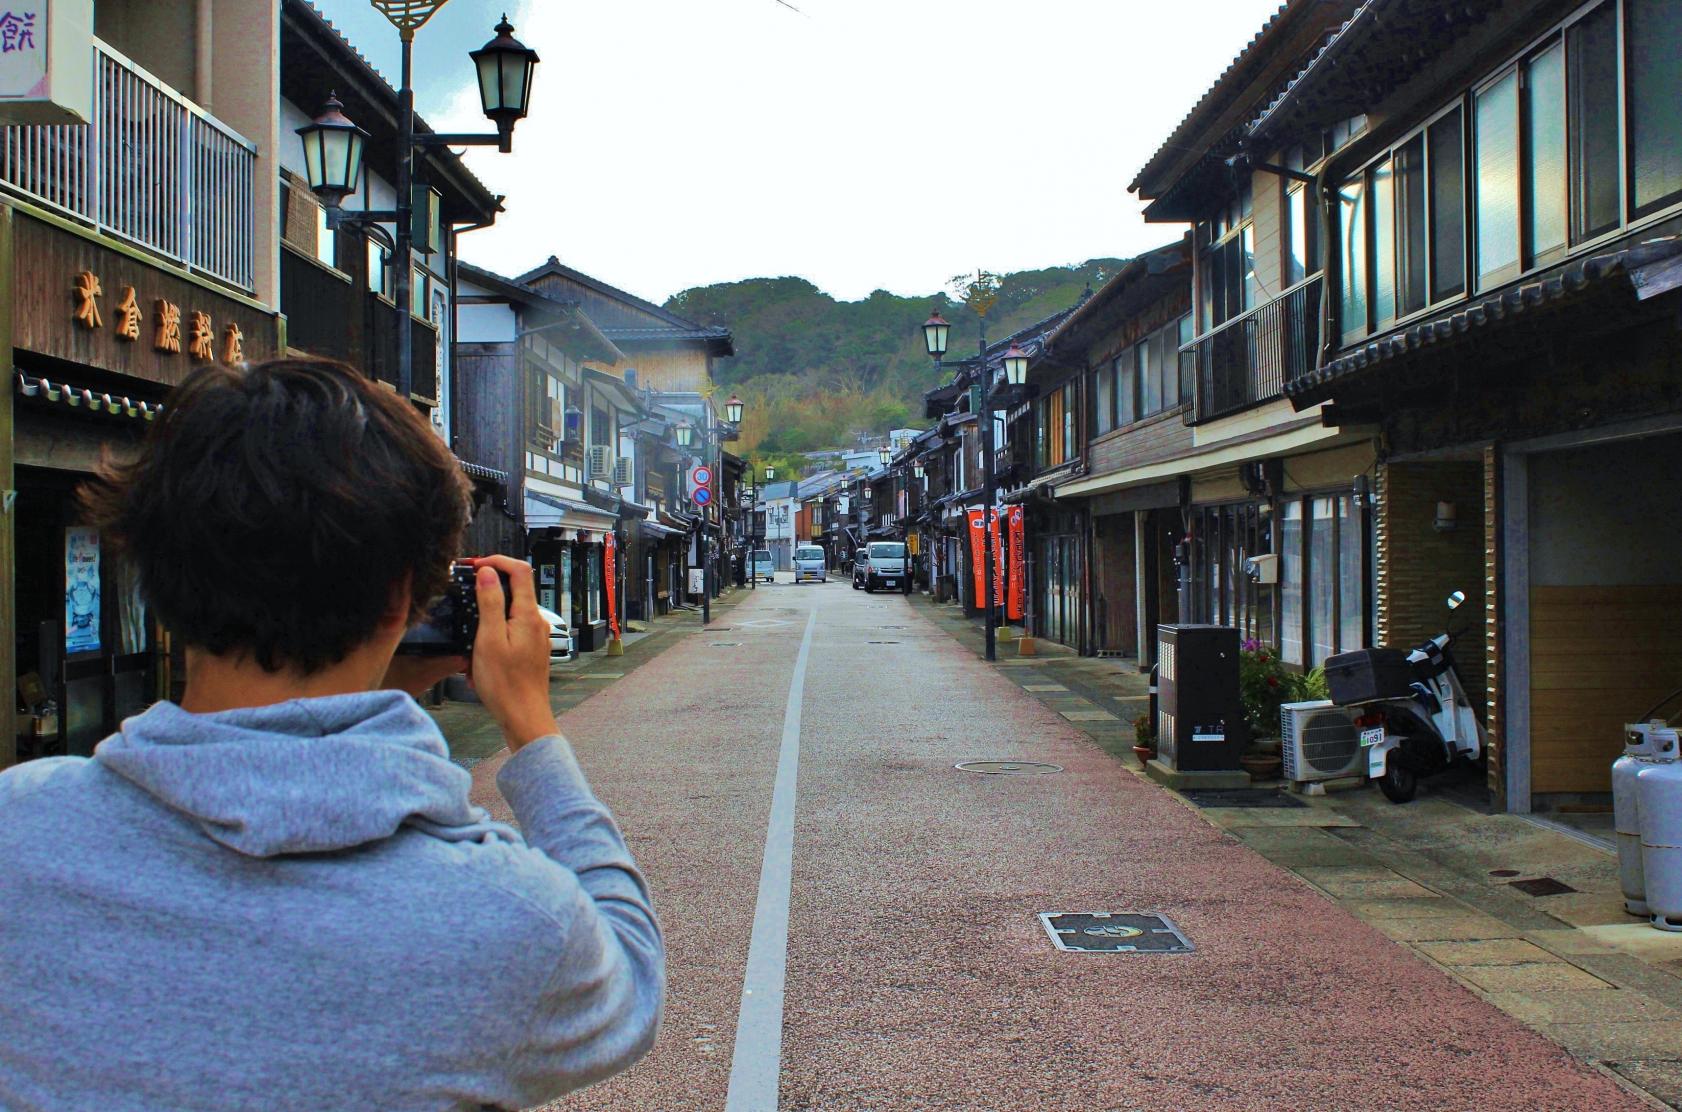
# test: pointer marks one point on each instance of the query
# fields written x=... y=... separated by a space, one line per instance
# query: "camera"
x=452 y=622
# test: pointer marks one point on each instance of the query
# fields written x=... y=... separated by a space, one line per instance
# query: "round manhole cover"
x=1007 y=768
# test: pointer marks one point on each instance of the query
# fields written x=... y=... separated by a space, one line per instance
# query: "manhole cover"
x=893 y=627
x=725 y=644
x=1007 y=768
x=1503 y=872
x=883 y=642
x=1238 y=797
x=718 y=629
x=1542 y=886
x=1114 y=932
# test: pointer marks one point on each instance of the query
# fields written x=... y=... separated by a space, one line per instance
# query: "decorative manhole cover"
x=1007 y=768
x=1238 y=797
x=1114 y=932
x=1542 y=886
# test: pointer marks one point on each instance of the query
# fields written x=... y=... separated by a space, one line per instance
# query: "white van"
x=810 y=563
x=887 y=567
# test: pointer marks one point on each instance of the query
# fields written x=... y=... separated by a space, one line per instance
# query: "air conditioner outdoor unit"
x=1320 y=741
x=622 y=472
x=601 y=464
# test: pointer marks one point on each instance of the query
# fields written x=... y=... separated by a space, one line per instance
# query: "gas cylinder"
x=1626 y=810
x=1658 y=789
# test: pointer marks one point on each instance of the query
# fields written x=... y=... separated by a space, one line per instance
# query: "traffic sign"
x=702 y=476
x=702 y=496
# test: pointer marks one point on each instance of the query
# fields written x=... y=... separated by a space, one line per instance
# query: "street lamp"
x=917 y=469
x=885 y=454
x=770 y=473
x=333 y=147
x=1016 y=366
x=935 y=331
x=685 y=434
x=733 y=410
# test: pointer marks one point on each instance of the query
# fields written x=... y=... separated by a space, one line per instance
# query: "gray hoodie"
x=296 y=907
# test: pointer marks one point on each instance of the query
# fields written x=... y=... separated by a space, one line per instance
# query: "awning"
x=482 y=473
x=548 y=511
x=658 y=531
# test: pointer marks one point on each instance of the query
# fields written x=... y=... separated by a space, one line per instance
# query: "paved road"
x=915 y=974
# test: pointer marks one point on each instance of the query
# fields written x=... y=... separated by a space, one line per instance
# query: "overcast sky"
x=862 y=144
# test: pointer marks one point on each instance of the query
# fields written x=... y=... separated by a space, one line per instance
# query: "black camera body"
x=452 y=623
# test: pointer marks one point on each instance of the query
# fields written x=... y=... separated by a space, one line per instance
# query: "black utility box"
x=1368 y=674
x=1200 y=716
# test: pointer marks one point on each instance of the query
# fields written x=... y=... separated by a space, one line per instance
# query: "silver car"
x=810 y=563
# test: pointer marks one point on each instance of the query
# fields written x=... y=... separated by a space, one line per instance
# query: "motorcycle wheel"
x=1398 y=784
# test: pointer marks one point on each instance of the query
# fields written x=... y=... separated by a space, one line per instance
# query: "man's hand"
x=510 y=667
x=415 y=674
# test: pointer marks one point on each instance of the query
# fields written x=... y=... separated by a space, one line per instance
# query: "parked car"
x=810 y=563
x=561 y=647
x=764 y=568
x=885 y=566
x=860 y=568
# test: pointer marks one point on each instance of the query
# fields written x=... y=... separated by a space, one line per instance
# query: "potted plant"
x=1144 y=742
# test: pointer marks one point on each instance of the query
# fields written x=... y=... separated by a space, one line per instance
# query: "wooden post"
x=8 y=511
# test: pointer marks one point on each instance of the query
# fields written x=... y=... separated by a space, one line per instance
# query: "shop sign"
x=81 y=590
x=46 y=61
x=166 y=319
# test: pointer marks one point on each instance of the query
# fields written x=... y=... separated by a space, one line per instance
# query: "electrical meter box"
x=1200 y=717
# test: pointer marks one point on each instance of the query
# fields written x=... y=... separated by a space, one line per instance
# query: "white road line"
x=756 y=1065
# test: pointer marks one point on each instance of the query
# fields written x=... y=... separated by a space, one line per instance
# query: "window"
x=1150 y=379
x=1290 y=584
x=1495 y=170
x=601 y=427
x=1188 y=359
x=1126 y=389
x=379 y=268
x=1230 y=285
x=1383 y=250
x=593 y=584
x=1448 y=206
x=1544 y=154
x=1071 y=444
x=1103 y=407
x=1655 y=103
x=326 y=240
x=418 y=279
x=1411 y=225
x=1302 y=252
x=1322 y=580
x=1352 y=256
x=1351 y=575
x=1592 y=58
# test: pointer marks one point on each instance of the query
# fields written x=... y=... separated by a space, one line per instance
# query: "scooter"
x=1421 y=721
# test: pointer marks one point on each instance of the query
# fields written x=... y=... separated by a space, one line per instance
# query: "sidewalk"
x=473 y=736
x=1439 y=878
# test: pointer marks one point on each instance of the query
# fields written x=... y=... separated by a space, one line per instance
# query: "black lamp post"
x=333 y=148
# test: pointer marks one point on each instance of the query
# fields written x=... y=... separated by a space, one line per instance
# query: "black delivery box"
x=1368 y=674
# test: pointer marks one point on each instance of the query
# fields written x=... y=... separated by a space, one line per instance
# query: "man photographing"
x=276 y=895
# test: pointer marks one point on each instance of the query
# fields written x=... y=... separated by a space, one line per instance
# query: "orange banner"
x=1018 y=567
x=998 y=560
x=609 y=549
x=978 y=557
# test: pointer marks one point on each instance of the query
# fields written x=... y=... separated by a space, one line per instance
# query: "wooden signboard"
x=86 y=303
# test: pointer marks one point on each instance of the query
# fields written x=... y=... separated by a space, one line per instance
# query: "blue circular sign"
x=702 y=495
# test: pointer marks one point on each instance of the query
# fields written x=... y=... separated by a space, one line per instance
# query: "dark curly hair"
x=273 y=511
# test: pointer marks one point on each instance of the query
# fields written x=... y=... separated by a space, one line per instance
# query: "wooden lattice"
x=407 y=15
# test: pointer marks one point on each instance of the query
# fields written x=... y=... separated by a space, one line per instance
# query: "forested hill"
x=818 y=372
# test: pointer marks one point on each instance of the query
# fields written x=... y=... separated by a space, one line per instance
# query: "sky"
x=860 y=144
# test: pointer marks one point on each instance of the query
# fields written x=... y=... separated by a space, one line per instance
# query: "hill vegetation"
x=821 y=373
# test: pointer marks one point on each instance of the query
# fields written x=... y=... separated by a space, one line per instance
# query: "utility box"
x=1200 y=717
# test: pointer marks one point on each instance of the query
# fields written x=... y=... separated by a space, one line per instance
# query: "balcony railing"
x=1248 y=360
x=151 y=167
x=319 y=303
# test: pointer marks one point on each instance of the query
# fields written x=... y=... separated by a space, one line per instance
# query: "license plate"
x=1372 y=736
x=891 y=582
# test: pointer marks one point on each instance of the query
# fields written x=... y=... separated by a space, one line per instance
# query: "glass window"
x=1150 y=382
x=1126 y=391
x=1410 y=225
x=1250 y=284
x=1496 y=173
x=1188 y=359
x=1655 y=103
x=1352 y=255
x=1103 y=408
x=1301 y=234
x=1448 y=212
x=1544 y=152
x=1163 y=344
x=1383 y=243
x=379 y=268
x=1592 y=56
x=1350 y=577
x=1071 y=444
x=326 y=240
x=1322 y=580
x=593 y=584
x=1290 y=583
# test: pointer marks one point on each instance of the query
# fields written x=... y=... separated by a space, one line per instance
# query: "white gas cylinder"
x=1626 y=811
x=1658 y=789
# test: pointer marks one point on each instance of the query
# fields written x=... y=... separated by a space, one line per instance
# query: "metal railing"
x=1249 y=359
x=151 y=167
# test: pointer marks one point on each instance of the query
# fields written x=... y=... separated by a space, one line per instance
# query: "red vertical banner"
x=609 y=562
x=1018 y=567
x=978 y=556
x=998 y=560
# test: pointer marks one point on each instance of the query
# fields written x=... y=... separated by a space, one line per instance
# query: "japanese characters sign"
x=46 y=61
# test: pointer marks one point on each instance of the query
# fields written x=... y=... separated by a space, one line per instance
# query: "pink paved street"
x=917 y=973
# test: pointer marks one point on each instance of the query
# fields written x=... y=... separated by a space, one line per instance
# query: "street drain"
x=1238 y=797
x=1007 y=768
x=1114 y=932
x=1542 y=886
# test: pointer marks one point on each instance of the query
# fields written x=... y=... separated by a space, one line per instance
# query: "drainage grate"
x=1007 y=768
x=718 y=629
x=1114 y=932
x=1238 y=797
x=1542 y=886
